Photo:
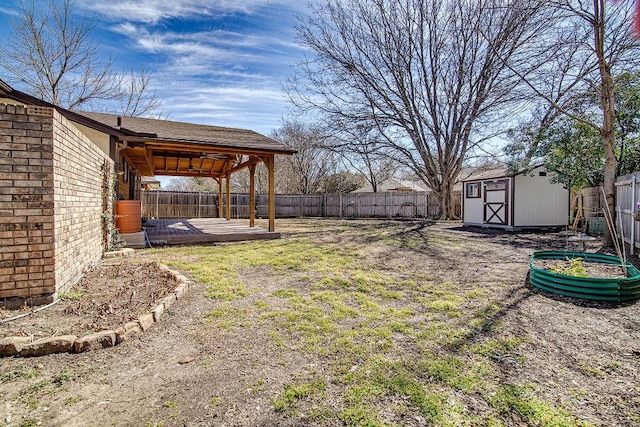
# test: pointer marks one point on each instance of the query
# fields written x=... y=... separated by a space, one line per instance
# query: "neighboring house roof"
x=393 y=184
x=150 y=183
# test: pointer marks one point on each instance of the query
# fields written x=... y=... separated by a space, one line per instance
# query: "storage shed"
x=525 y=200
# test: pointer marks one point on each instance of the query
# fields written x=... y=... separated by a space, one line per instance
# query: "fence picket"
x=627 y=197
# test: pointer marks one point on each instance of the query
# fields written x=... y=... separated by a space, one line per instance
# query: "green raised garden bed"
x=598 y=289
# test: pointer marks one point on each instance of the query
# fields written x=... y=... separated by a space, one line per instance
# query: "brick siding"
x=51 y=203
x=78 y=179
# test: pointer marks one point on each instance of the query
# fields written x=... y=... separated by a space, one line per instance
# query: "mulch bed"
x=107 y=296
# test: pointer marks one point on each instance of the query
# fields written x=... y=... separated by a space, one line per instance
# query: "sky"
x=216 y=62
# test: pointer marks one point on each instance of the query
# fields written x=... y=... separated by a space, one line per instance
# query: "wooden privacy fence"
x=179 y=204
x=628 y=210
x=410 y=204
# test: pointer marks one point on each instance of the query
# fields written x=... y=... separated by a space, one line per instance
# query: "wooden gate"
x=496 y=202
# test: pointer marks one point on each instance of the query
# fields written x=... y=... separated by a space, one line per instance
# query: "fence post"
x=301 y=206
x=633 y=207
x=323 y=208
x=157 y=195
x=386 y=204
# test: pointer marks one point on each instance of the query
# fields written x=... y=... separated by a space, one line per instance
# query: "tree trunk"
x=447 y=207
x=608 y=112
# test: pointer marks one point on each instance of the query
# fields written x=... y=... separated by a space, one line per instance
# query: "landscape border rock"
x=18 y=346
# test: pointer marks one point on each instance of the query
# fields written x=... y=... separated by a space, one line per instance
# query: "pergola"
x=162 y=147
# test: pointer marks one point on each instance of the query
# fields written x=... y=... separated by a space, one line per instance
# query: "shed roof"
x=495 y=173
x=480 y=175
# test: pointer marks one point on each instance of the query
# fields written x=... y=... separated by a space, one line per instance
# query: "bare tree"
x=305 y=171
x=363 y=150
x=430 y=76
x=52 y=53
x=136 y=95
x=182 y=183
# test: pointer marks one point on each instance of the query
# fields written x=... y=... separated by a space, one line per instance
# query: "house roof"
x=164 y=147
x=166 y=130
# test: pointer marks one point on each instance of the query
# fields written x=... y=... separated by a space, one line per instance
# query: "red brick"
x=25 y=154
x=21 y=291
x=38 y=133
x=41 y=162
x=26 y=255
x=38 y=261
x=43 y=219
x=15 y=132
x=5 y=284
x=40 y=247
x=7 y=270
x=30 y=212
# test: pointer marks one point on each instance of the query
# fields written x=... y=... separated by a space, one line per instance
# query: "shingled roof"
x=167 y=130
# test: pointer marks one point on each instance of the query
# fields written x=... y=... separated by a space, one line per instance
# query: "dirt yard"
x=337 y=323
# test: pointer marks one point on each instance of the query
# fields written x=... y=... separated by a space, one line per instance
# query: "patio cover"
x=164 y=147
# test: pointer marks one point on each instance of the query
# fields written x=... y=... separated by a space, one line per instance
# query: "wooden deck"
x=202 y=230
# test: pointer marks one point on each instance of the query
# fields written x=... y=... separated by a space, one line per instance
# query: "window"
x=473 y=190
x=496 y=185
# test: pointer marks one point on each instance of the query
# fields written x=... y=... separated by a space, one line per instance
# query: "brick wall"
x=79 y=185
x=52 y=199
x=26 y=204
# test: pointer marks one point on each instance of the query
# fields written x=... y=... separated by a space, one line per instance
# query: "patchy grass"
x=22 y=372
x=287 y=401
x=398 y=343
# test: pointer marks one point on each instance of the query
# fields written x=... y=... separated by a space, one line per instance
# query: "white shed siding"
x=473 y=208
x=538 y=202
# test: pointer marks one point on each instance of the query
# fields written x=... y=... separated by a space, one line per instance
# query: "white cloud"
x=9 y=11
x=152 y=11
x=257 y=108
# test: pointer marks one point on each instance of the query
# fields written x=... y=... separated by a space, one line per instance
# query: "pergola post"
x=252 y=195
x=220 y=198
x=228 y=176
x=272 y=192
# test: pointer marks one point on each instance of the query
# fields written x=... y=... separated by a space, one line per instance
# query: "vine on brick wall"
x=110 y=235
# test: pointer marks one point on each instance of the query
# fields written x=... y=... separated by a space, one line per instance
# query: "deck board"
x=202 y=230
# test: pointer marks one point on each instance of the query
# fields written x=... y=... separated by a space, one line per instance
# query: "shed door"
x=496 y=202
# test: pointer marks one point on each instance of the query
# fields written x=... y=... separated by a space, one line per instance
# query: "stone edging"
x=25 y=347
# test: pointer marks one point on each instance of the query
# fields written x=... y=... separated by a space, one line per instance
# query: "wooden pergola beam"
x=252 y=195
